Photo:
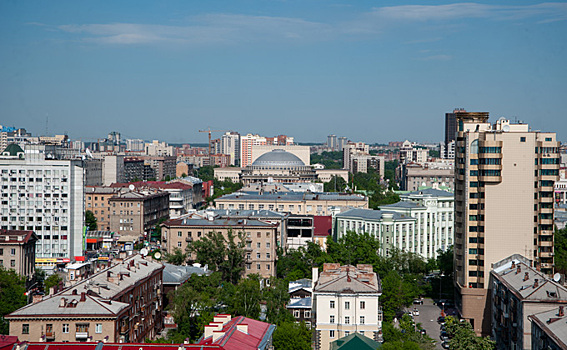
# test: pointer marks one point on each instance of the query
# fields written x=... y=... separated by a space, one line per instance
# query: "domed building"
x=278 y=166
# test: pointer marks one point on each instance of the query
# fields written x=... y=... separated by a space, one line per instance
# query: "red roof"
x=7 y=341
x=116 y=346
x=322 y=225
x=14 y=234
x=234 y=339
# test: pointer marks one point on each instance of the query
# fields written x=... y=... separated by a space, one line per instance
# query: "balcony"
x=124 y=329
x=188 y=239
x=81 y=335
x=50 y=335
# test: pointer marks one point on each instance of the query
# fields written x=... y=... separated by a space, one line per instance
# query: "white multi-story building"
x=346 y=301
x=230 y=144
x=410 y=152
x=422 y=223
x=158 y=149
x=135 y=145
x=44 y=196
x=113 y=169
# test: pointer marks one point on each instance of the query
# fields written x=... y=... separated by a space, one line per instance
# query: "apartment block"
x=158 y=149
x=504 y=178
x=519 y=291
x=135 y=213
x=259 y=241
x=97 y=200
x=17 y=252
x=410 y=152
x=319 y=204
x=414 y=176
x=112 y=169
x=346 y=301
x=230 y=145
x=44 y=196
x=120 y=304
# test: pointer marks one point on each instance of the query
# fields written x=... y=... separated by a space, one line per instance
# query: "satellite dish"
x=557 y=277
x=506 y=128
x=131 y=187
x=157 y=255
x=144 y=251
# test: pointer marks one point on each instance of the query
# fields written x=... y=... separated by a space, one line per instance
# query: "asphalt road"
x=428 y=314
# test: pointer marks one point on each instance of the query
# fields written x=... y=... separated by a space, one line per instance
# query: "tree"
x=221 y=254
x=397 y=293
x=445 y=261
x=337 y=184
x=52 y=281
x=246 y=297
x=276 y=297
x=178 y=257
x=90 y=221
x=12 y=297
x=292 y=336
x=463 y=336
x=561 y=250
x=354 y=248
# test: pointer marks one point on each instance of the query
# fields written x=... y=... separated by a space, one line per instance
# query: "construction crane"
x=210 y=131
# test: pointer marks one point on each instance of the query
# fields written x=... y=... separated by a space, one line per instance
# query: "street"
x=428 y=314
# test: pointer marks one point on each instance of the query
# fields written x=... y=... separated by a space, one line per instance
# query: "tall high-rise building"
x=45 y=196
x=342 y=143
x=230 y=144
x=504 y=177
x=332 y=142
x=451 y=129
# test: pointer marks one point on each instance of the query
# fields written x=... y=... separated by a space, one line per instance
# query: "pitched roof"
x=173 y=274
x=13 y=149
x=553 y=325
x=11 y=236
x=233 y=339
x=355 y=341
x=299 y=303
x=347 y=279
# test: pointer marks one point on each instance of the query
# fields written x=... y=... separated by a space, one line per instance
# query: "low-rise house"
x=518 y=291
x=346 y=301
x=300 y=303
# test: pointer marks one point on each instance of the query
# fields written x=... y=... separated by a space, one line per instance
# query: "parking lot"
x=428 y=314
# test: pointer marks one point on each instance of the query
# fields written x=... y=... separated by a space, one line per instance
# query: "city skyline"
x=305 y=69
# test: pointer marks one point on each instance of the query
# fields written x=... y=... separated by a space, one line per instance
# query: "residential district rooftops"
x=200 y=219
x=554 y=324
x=304 y=283
x=348 y=279
x=403 y=204
x=239 y=333
x=526 y=283
x=293 y=196
x=355 y=341
x=109 y=346
x=69 y=304
x=372 y=214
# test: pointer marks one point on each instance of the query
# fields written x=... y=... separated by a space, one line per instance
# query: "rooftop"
x=432 y=192
x=371 y=214
x=173 y=274
x=528 y=284
x=554 y=324
x=16 y=236
x=239 y=333
x=278 y=158
x=348 y=279
x=293 y=196
x=355 y=341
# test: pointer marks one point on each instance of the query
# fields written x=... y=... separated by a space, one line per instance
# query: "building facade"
x=346 y=301
x=44 y=196
x=548 y=330
x=230 y=145
x=259 y=238
x=504 y=177
x=17 y=252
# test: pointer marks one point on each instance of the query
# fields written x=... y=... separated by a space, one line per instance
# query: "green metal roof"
x=355 y=341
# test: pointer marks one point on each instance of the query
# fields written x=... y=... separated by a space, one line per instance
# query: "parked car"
x=445 y=345
x=441 y=319
x=418 y=301
x=423 y=332
x=415 y=312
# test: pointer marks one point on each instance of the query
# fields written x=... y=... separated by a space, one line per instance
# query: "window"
x=267 y=245
x=361 y=319
x=307 y=314
x=347 y=319
x=12 y=263
x=65 y=328
x=331 y=334
x=179 y=244
x=347 y=305
x=257 y=266
x=82 y=327
x=332 y=319
x=98 y=328
x=362 y=305
x=258 y=255
x=258 y=245
x=296 y=314
x=13 y=251
x=347 y=333
x=522 y=139
x=26 y=328
x=268 y=267
x=332 y=304
x=179 y=234
x=1 y=251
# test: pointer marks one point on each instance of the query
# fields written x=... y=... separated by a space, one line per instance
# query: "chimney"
x=518 y=269
x=536 y=283
x=20 y=238
x=526 y=277
x=217 y=335
x=315 y=275
x=243 y=328
x=37 y=298
x=561 y=312
x=513 y=264
x=62 y=302
x=221 y=319
x=83 y=297
x=74 y=292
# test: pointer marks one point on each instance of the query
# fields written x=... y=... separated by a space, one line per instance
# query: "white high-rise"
x=45 y=196
x=230 y=144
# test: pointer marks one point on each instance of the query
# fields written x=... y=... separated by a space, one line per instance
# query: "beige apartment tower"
x=504 y=177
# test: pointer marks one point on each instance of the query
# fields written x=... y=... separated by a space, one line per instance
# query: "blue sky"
x=373 y=71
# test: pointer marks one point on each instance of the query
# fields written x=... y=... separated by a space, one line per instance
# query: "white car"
x=415 y=312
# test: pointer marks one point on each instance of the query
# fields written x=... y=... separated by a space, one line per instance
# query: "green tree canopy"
x=292 y=336
x=90 y=221
x=560 y=248
x=52 y=281
x=12 y=297
x=177 y=257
